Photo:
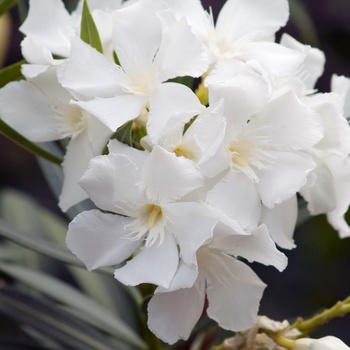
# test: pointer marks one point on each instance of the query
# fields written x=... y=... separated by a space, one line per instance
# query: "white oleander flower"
x=327 y=191
x=40 y=110
x=150 y=52
x=141 y=194
x=233 y=290
x=49 y=28
x=266 y=144
x=326 y=343
x=244 y=31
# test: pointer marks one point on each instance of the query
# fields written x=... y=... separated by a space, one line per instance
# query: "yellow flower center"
x=154 y=214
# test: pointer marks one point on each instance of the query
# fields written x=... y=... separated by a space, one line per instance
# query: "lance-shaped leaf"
x=49 y=319
x=11 y=73
x=73 y=298
x=88 y=29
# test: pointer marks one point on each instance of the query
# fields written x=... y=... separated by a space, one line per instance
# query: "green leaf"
x=6 y=5
x=88 y=29
x=13 y=135
x=124 y=133
x=43 y=246
x=46 y=317
x=186 y=80
x=11 y=73
x=73 y=298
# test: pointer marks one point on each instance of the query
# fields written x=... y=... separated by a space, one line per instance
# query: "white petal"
x=112 y=182
x=26 y=109
x=98 y=134
x=168 y=178
x=156 y=264
x=336 y=128
x=340 y=168
x=76 y=160
x=285 y=178
x=208 y=130
x=185 y=277
x=181 y=53
x=258 y=246
x=297 y=127
x=239 y=18
x=234 y=292
x=39 y=56
x=115 y=111
x=195 y=14
x=276 y=59
x=172 y=103
x=89 y=74
x=136 y=156
x=137 y=30
x=237 y=197
x=98 y=239
x=50 y=23
x=321 y=195
x=192 y=224
x=313 y=66
x=281 y=221
x=244 y=92
x=173 y=315
x=341 y=86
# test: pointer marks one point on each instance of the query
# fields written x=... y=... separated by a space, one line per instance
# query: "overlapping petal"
x=104 y=237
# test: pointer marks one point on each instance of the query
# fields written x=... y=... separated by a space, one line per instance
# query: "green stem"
x=13 y=135
x=341 y=308
x=284 y=342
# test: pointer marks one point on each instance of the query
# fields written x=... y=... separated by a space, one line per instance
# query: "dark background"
x=318 y=271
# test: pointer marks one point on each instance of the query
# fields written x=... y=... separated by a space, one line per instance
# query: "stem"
x=284 y=342
x=341 y=308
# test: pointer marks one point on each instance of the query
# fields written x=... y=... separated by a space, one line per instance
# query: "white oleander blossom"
x=233 y=290
x=49 y=27
x=142 y=193
x=325 y=343
x=118 y=93
x=46 y=114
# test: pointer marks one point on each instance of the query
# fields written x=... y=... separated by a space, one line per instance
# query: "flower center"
x=237 y=151
x=74 y=122
x=154 y=213
x=182 y=152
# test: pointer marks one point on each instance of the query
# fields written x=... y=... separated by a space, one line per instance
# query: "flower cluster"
x=211 y=176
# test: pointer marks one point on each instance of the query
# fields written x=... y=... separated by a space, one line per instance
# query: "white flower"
x=326 y=343
x=244 y=31
x=147 y=190
x=267 y=144
x=233 y=290
x=121 y=93
x=49 y=28
x=43 y=114
x=328 y=188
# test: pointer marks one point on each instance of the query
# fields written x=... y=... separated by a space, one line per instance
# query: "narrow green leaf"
x=46 y=317
x=11 y=73
x=13 y=135
x=88 y=29
x=70 y=296
x=6 y=5
x=42 y=246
